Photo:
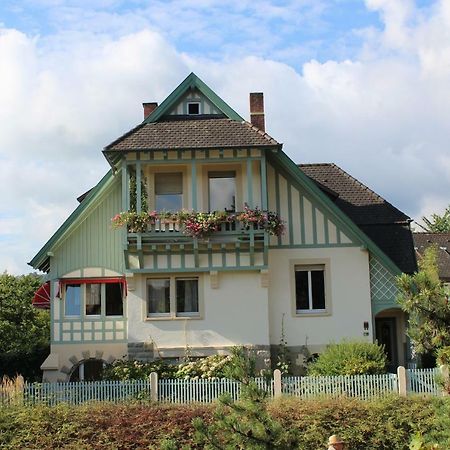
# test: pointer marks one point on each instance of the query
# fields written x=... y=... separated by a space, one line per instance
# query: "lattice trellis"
x=382 y=286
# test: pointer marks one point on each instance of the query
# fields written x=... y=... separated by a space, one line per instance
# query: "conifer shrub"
x=349 y=358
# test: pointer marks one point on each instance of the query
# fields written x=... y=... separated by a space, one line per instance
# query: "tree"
x=24 y=330
x=437 y=223
x=246 y=423
x=424 y=297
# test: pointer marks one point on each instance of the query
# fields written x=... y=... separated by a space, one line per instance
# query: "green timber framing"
x=278 y=159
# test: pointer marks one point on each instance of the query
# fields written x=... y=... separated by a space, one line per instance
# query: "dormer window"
x=193 y=108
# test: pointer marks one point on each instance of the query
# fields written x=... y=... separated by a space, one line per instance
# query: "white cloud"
x=382 y=115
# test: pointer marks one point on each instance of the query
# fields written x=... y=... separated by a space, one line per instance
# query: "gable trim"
x=191 y=82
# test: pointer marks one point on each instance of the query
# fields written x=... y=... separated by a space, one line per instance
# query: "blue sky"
x=363 y=84
x=298 y=30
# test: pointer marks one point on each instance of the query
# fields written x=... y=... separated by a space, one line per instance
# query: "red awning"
x=41 y=297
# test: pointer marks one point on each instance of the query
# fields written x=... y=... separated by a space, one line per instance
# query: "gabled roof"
x=442 y=241
x=161 y=131
x=192 y=81
x=360 y=203
x=192 y=134
x=382 y=222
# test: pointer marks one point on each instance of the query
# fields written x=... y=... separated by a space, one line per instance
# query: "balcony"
x=197 y=241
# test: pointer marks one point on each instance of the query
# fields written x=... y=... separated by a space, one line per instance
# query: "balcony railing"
x=173 y=231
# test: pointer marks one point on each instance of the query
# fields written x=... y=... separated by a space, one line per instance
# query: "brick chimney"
x=149 y=108
x=257 y=110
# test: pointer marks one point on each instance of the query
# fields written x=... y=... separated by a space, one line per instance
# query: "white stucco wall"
x=348 y=299
x=235 y=313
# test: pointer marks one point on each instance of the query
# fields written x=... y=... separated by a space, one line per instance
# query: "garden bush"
x=350 y=358
x=388 y=424
x=209 y=367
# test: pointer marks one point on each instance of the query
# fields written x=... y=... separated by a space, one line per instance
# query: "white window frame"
x=194 y=103
x=83 y=314
x=311 y=265
x=173 y=314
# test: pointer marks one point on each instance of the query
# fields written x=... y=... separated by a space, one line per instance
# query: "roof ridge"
x=315 y=164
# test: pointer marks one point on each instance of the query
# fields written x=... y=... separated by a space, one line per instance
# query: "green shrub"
x=393 y=423
x=350 y=358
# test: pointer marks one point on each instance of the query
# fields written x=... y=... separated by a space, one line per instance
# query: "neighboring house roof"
x=385 y=225
x=442 y=241
x=191 y=134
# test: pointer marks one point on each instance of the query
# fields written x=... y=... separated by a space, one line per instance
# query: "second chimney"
x=149 y=108
x=257 y=110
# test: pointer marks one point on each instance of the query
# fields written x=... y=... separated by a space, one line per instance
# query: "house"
x=441 y=241
x=178 y=278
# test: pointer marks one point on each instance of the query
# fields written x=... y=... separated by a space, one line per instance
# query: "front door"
x=386 y=333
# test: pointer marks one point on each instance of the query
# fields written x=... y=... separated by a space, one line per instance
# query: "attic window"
x=193 y=108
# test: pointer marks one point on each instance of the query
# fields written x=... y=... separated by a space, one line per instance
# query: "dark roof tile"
x=188 y=134
x=387 y=226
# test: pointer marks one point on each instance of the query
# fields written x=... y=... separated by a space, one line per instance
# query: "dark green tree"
x=245 y=424
x=24 y=330
x=425 y=299
x=438 y=223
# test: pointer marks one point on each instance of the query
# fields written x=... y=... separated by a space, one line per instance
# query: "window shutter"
x=168 y=183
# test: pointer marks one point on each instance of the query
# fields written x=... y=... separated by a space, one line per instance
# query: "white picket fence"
x=423 y=381
x=185 y=391
x=365 y=387
x=204 y=390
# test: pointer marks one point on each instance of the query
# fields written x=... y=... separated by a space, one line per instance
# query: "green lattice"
x=382 y=287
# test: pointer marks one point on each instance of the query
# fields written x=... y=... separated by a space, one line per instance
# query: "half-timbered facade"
x=202 y=261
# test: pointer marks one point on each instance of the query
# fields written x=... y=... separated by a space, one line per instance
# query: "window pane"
x=301 y=290
x=158 y=296
x=187 y=297
x=222 y=192
x=73 y=300
x=114 y=299
x=318 y=289
x=93 y=301
x=168 y=202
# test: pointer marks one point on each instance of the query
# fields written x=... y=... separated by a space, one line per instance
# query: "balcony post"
x=263 y=170
x=194 y=184
x=138 y=184
x=125 y=186
x=125 y=199
x=249 y=183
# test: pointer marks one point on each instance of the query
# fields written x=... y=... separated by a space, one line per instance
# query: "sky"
x=363 y=84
